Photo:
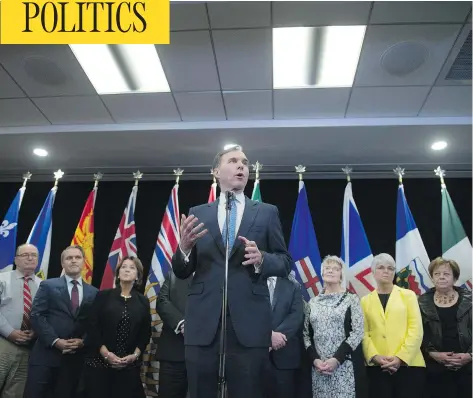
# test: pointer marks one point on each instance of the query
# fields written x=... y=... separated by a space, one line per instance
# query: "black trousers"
x=244 y=368
x=278 y=383
x=172 y=379
x=407 y=382
x=448 y=383
x=55 y=382
x=113 y=383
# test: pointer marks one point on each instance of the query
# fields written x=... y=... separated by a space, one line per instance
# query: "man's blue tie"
x=231 y=226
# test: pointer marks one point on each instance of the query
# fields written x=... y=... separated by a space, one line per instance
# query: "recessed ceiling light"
x=122 y=68
x=439 y=145
x=40 y=152
x=228 y=146
x=316 y=56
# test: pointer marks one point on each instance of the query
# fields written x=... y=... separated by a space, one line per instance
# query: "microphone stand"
x=222 y=382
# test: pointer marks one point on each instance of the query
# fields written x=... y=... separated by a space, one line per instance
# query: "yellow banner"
x=84 y=22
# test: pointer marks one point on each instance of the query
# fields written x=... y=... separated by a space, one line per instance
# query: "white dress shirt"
x=80 y=287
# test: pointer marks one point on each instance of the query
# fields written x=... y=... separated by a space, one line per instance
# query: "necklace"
x=126 y=297
x=445 y=299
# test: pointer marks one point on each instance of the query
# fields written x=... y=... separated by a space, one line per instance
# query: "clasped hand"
x=69 y=346
x=326 y=367
x=116 y=362
x=388 y=364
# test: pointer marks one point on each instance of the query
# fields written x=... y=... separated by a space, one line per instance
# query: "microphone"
x=230 y=198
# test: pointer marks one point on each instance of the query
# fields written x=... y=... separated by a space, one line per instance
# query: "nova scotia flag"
x=8 y=229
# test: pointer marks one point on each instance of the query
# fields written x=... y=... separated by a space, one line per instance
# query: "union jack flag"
x=124 y=243
x=167 y=244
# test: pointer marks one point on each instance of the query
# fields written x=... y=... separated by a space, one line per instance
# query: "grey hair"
x=382 y=258
x=218 y=156
x=24 y=245
x=337 y=260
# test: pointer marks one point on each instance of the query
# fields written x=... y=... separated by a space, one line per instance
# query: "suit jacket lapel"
x=377 y=303
x=213 y=227
x=65 y=294
x=393 y=297
x=249 y=215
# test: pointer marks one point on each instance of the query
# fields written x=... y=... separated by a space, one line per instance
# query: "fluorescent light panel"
x=122 y=68
x=316 y=56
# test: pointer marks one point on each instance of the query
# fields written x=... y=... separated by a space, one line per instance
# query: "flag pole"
x=26 y=177
x=300 y=169
x=347 y=170
x=441 y=173
x=399 y=172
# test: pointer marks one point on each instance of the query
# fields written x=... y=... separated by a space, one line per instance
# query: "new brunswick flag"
x=84 y=235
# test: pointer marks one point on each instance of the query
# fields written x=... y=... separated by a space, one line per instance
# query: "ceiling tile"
x=189 y=62
x=20 y=112
x=237 y=14
x=386 y=101
x=188 y=16
x=74 y=110
x=248 y=105
x=417 y=11
x=195 y=107
x=45 y=70
x=244 y=58
x=403 y=45
x=448 y=101
x=8 y=88
x=142 y=108
x=310 y=103
x=320 y=13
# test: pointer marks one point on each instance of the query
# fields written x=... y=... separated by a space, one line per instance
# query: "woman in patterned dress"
x=333 y=331
x=119 y=330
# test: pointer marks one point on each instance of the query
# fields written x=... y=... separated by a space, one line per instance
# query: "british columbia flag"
x=124 y=243
x=167 y=244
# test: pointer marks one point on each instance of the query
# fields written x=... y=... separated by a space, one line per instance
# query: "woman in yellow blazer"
x=393 y=336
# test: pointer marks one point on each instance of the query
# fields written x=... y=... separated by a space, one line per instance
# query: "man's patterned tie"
x=74 y=296
x=27 y=302
x=231 y=226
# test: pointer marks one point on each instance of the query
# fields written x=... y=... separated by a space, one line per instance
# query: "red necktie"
x=25 y=324
x=74 y=297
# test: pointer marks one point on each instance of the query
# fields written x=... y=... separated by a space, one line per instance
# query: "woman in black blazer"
x=119 y=330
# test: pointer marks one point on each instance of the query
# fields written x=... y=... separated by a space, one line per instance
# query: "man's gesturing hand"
x=190 y=232
x=252 y=254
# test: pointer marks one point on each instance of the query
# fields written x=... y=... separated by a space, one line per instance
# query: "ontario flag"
x=167 y=244
x=84 y=235
x=304 y=248
x=124 y=243
x=356 y=251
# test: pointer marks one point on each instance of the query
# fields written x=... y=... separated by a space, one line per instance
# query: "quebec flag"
x=412 y=260
x=304 y=248
x=8 y=230
x=40 y=235
x=356 y=251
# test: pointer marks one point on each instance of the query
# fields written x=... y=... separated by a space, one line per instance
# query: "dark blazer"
x=432 y=340
x=171 y=306
x=106 y=313
x=248 y=294
x=52 y=318
x=288 y=317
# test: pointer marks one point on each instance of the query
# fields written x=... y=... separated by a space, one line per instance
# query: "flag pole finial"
x=347 y=170
x=178 y=172
x=440 y=173
x=213 y=176
x=300 y=169
x=97 y=177
x=57 y=176
x=256 y=168
x=399 y=172
x=26 y=177
x=137 y=175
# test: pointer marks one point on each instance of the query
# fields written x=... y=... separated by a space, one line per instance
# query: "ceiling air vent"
x=461 y=68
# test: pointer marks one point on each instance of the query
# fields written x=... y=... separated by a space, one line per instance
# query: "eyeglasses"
x=26 y=255
x=389 y=268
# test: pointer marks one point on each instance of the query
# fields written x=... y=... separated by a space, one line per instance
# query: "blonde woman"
x=333 y=331
x=393 y=335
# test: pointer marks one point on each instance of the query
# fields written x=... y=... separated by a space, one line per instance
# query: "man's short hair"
x=218 y=156
x=72 y=247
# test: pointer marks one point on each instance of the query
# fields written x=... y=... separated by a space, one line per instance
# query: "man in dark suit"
x=286 y=342
x=257 y=251
x=58 y=317
x=171 y=306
